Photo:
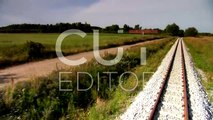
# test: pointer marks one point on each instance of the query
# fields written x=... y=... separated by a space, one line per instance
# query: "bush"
x=181 y=33
x=35 y=50
x=172 y=29
x=18 y=54
x=191 y=31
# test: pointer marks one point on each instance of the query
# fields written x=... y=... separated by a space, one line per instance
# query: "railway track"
x=172 y=99
x=174 y=92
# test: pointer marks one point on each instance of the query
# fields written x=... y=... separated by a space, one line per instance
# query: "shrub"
x=172 y=29
x=35 y=50
x=191 y=31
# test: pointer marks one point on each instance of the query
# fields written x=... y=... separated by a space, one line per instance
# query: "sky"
x=147 y=13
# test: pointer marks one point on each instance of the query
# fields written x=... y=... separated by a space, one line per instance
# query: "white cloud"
x=38 y=11
x=148 y=13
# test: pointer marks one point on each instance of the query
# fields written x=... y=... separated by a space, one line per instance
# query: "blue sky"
x=148 y=13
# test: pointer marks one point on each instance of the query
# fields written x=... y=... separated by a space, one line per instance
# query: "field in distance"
x=15 y=50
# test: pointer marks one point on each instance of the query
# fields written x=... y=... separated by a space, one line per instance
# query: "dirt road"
x=45 y=67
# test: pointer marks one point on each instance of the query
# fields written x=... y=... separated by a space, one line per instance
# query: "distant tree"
x=137 y=27
x=205 y=34
x=172 y=29
x=126 y=28
x=112 y=29
x=181 y=33
x=191 y=31
x=115 y=28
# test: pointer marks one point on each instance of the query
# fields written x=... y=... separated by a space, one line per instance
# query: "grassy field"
x=41 y=99
x=71 y=42
x=201 y=51
x=13 y=48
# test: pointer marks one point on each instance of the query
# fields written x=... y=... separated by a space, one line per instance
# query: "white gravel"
x=200 y=108
x=141 y=107
x=171 y=106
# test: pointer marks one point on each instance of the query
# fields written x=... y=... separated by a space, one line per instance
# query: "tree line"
x=171 y=29
x=174 y=30
x=61 y=27
x=49 y=28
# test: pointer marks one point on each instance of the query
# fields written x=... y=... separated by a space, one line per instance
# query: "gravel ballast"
x=199 y=106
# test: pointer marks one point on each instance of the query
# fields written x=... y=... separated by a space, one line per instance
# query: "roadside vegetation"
x=22 y=48
x=40 y=98
x=120 y=101
x=201 y=51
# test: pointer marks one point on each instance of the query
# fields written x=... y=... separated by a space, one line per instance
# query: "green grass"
x=201 y=51
x=8 y=40
x=40 y=98
x=13 y=46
